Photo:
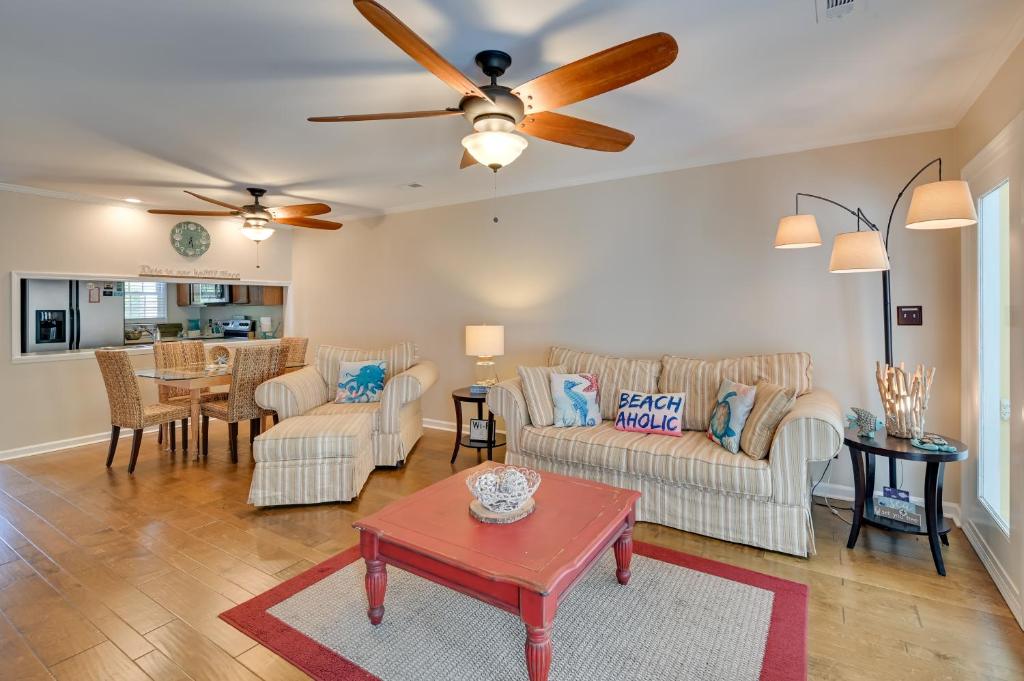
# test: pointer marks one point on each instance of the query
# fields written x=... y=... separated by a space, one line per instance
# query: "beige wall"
x=677 y=262
x=999 y=103
x=54 y=401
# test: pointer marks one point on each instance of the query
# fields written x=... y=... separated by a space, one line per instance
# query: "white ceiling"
x=110 y=99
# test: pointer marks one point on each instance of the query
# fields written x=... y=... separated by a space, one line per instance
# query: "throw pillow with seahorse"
x=576 y=400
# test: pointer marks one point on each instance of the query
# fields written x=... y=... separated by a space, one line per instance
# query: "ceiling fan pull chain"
x=257 y=255
x=494 y=197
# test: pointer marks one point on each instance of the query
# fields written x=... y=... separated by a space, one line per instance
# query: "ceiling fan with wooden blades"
x=256 y=216
x=496 y=111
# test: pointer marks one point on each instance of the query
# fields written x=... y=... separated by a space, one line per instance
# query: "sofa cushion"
x=399 y=357
x=335 y=409
x=771 y=404
x=700 y=379
x=536 y=383
x=315 y=437
x=601 y=446
x=695 y=460
x=614 y=374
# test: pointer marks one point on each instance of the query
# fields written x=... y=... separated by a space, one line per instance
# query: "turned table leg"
x=376 y=577
x=538 y=613
x=624 y=551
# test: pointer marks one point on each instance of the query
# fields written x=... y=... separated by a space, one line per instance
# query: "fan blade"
x=414 y=46
x=575 y=132
x=385 y=116
x=206 y=213
x=309 y=222
x=209 y=200
x=467 y=159
x=299 y=210
x=601 y=72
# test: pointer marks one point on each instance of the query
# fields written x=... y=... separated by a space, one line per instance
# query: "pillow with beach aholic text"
x=650 y=413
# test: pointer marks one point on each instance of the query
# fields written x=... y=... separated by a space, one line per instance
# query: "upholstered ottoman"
x=312 y=459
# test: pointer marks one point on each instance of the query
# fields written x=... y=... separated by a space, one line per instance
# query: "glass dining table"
x=194 y=378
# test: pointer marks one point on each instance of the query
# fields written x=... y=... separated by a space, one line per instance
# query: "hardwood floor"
x=104 y=576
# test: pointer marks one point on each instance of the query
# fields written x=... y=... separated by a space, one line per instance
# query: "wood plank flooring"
x=106 y=576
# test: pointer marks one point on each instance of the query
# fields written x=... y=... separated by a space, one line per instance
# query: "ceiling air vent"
x=834 y=9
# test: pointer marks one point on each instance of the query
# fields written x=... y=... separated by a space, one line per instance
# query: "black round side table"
x=461 y=396
x=862 y=454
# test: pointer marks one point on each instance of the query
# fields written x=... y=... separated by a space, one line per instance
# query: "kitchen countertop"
x=139 y=347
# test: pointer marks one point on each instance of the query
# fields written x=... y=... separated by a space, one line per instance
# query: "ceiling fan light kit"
x=495 y=110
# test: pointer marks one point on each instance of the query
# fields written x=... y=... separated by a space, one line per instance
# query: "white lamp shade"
x=942 y=205
x=858 y=252
x=493 y=148
x=797 y=231
x=485 y=341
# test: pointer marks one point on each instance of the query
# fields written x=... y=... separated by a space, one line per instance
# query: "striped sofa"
x=689 y=482
x=396 y=422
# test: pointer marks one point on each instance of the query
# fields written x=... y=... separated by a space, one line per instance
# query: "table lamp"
x=485 y=342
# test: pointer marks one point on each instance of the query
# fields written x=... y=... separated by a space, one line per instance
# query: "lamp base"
x=485 y=373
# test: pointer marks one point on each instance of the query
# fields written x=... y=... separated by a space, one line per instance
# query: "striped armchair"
x=397 y=420
x=690 y=482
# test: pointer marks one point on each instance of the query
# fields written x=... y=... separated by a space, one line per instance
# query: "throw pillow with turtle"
x=732 y=407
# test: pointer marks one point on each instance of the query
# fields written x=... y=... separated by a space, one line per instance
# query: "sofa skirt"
x=733 y=518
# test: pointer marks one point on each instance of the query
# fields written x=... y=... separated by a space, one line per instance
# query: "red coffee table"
x=525 y=567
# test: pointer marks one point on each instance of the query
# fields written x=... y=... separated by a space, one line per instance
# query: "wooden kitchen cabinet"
x=184 y=297
x=273 y=295
x=241 y=295
x=266 y=295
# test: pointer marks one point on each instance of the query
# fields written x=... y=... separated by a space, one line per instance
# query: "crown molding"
x=63 y=196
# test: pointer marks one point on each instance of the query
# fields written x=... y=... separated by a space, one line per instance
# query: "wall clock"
x=190 y=239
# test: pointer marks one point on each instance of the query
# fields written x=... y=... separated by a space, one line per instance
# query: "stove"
x=238 y=328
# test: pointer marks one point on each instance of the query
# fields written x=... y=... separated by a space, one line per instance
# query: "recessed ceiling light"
x=132 y=199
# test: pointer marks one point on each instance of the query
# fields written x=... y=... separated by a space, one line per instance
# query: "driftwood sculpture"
x=904 y=398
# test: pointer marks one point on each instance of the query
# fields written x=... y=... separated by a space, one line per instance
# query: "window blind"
x=145 y=301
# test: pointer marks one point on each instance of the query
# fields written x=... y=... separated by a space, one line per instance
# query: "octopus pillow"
x=575 y=397
x=361 y=381
x=732 y=407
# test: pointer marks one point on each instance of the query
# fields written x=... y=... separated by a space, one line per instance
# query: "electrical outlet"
x=909 y=315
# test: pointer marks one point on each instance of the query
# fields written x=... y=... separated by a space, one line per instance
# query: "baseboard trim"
x=57 y=445
x=845 y=493
x=995 y=571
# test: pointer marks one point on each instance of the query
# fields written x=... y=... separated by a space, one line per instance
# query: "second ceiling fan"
x=496 y=111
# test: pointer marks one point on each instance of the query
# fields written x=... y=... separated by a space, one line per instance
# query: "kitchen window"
x=145 y=301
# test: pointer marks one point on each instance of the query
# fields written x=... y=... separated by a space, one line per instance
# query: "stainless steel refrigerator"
x=71 y=314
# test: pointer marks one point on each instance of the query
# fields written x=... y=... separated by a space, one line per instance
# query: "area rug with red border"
x=680 y=617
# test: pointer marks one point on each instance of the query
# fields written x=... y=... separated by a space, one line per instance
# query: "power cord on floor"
x=828 y=502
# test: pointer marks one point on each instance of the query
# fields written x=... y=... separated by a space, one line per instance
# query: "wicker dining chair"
x=168 y=354
x=295 y=349
x=126 y=407
x=251 y=367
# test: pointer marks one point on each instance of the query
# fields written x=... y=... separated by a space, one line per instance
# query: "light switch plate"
x=909 y=315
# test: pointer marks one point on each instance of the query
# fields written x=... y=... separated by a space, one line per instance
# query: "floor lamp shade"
x=858 y=252
x=797 y=231
x=485 y=341
x=941 y=205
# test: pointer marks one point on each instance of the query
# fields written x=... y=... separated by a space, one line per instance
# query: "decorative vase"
x=904 y=398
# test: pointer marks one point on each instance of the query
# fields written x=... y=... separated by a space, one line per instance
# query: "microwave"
x=209 y=294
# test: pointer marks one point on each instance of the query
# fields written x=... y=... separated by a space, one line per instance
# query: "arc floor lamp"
x=943 y=204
